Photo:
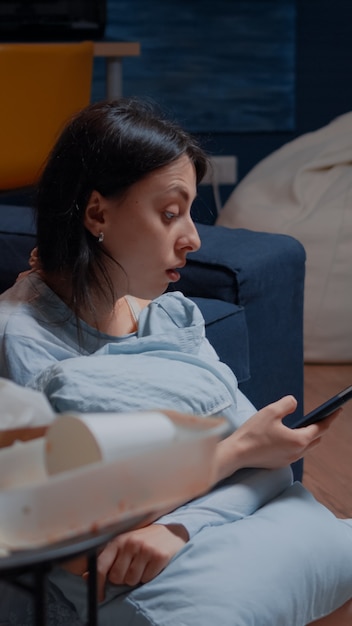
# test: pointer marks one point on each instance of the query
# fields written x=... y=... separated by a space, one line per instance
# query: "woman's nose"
x=190 y=239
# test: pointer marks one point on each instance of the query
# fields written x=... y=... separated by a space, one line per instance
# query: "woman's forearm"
x=227 y=459
x=264 y=441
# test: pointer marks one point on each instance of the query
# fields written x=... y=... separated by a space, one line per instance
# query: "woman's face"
x=150 y=231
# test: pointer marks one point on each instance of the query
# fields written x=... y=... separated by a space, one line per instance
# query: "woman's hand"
x=34 y=264
x=264 y=441
x=139 y=555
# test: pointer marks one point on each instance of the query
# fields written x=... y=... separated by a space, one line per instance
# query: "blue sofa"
x=249 y=287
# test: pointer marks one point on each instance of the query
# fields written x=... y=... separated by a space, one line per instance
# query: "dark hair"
x=106 y=147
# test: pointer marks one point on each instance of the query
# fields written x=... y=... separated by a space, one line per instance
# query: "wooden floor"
x=328 y=468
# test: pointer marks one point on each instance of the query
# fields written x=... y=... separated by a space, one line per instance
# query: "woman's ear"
x=94 y=216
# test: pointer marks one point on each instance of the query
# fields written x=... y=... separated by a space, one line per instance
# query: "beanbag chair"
x=304 y=189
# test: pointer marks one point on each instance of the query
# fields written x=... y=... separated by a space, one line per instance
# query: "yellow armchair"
x=42 y=85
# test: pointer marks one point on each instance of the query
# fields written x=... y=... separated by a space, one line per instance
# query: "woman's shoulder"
x=29 y=301
x=16 y=299
x=24 y=292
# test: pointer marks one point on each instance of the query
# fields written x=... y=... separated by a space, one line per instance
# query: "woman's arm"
x=262 y=441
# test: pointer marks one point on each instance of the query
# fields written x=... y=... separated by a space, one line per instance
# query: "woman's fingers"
x=265 y=441
x=139 y=555
x=105 y=561
x=318 y=430
x=279 y=409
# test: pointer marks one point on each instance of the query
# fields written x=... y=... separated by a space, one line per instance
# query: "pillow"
x=289 y=563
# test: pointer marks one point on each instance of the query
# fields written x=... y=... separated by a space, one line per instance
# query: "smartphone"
x=327 y=408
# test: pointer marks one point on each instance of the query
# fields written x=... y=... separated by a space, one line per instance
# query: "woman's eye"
x=169 y=215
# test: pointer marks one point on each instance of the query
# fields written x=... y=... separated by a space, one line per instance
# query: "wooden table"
x=114 y=53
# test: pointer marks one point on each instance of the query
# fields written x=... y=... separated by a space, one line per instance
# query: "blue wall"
x=229 y=67
x=323 y=83
x=323 y=87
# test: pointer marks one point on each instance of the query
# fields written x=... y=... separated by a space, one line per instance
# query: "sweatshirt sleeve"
x=237 y=497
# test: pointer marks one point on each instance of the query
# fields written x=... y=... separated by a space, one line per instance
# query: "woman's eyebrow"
x=179 y=189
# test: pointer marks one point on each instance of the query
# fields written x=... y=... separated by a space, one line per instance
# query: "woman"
x=114 y=227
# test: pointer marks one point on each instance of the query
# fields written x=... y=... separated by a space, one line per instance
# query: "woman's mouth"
x=173 y=275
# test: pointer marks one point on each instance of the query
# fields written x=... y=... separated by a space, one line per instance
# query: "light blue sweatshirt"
x=176 y=368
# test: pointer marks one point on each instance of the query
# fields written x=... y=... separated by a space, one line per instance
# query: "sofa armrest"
x=264 y=274
x=17 y=239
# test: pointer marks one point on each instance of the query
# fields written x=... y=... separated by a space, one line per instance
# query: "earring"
x=101 y=237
